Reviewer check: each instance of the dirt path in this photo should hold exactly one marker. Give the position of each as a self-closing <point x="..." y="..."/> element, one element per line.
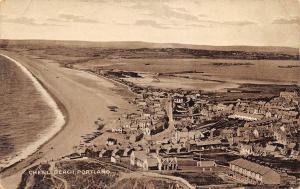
<point x="51" y="169"/>
<point x="139" y="174"/>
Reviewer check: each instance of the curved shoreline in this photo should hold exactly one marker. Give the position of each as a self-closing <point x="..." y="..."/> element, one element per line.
<point x="46" y="135"/>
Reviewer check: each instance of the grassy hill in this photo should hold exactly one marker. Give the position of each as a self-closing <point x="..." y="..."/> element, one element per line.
<point x="41" y="44"/>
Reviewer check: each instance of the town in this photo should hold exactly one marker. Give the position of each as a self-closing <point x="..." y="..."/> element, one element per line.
<point x="187" y="132"/>
<point x="157" y="94"/>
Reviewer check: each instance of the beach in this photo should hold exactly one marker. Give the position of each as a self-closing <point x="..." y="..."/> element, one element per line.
<point x="83" y="97"/>
<point x="45" y="135"/>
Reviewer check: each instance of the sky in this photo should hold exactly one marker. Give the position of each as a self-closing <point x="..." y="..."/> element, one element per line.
<point x="203" y="22"/>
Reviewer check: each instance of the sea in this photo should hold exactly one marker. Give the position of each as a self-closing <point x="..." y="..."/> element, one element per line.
<point x="28" y="115"/>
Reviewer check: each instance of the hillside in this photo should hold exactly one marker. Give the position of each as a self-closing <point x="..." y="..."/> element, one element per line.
<point x="153" y="50"/>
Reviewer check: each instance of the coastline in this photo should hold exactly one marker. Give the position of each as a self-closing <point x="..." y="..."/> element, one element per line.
<point x="46" y="135"/>
<point x="82" y="97"/>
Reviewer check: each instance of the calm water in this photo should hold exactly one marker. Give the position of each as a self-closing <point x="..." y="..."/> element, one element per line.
<point x="23" y="113"/>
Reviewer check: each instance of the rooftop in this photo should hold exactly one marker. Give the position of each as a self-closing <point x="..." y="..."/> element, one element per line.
<point x="254" y="167"/>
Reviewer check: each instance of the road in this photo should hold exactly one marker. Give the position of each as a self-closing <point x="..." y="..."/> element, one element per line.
<point x="51" y="169"/>
<point x="140" y="174"/>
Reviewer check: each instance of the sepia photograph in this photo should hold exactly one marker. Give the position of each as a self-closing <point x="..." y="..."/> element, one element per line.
<point x="149" y="94"/>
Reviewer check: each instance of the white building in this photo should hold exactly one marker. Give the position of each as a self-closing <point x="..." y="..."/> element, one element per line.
<point x="145" y="161"/>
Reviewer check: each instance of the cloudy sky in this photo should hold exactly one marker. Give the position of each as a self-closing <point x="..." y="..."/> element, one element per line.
<point x="205" y="22"/>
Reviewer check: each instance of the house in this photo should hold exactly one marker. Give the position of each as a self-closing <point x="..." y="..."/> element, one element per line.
<point x="115" y="159"/>
<point x="259" y="150"/>
<point x="169" y="163"/>
<point x="227" y="133"/>
<point x="151" y="148"/>
<point x="222" y="107"/>
<point x="145" y="161"/>
<point x="288" y="95"/>
<point x="186" y="134"/>
<point x="262" y="122"/>
<point x="262" y="131"/>
<point x="206" y="145"/>
<point x="111" y="141"/>
<point x="235" y="140"/>
<point x="206" y="165"/>
<point x="126" y="124"/>
<point x="269" y="149"/>
<point x="144" y="123"/>
<point x="127" y="152"/>
<point x="156" y="104"/>
<point x="175" y="148"/>
<point x="245" y="132"/>
<point x="178" y="100"/>
<point x="142" y="103"/>
<point x="117" y="130"/>
<point x="157" y="128"/>
<point x="81" y="151"/>
<point x="246" y="116"/>
<point x="253" y="173"/>
<point x="136" y="137"/>
<point x="118" y="152"/>
<point x="246" y="149"/>
<point x="281" y="135"/>
<point x="105" y="153"/>
<point x="146" y="131"/>
<point x="146" y="115"/>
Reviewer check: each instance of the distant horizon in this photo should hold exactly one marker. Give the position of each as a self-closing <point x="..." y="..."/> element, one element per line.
<point x="149" y="42"/>
<point x="199" y="22"/>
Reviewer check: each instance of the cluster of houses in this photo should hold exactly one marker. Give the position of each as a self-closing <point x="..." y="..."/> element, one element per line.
<point x="265" y="128"/>
<point x="199" y="123"/>
<point x="150" y="119"/>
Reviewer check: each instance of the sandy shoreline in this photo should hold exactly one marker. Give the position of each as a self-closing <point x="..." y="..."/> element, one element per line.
<point x="46" y="135"/>
<point x="83" y="98"/>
